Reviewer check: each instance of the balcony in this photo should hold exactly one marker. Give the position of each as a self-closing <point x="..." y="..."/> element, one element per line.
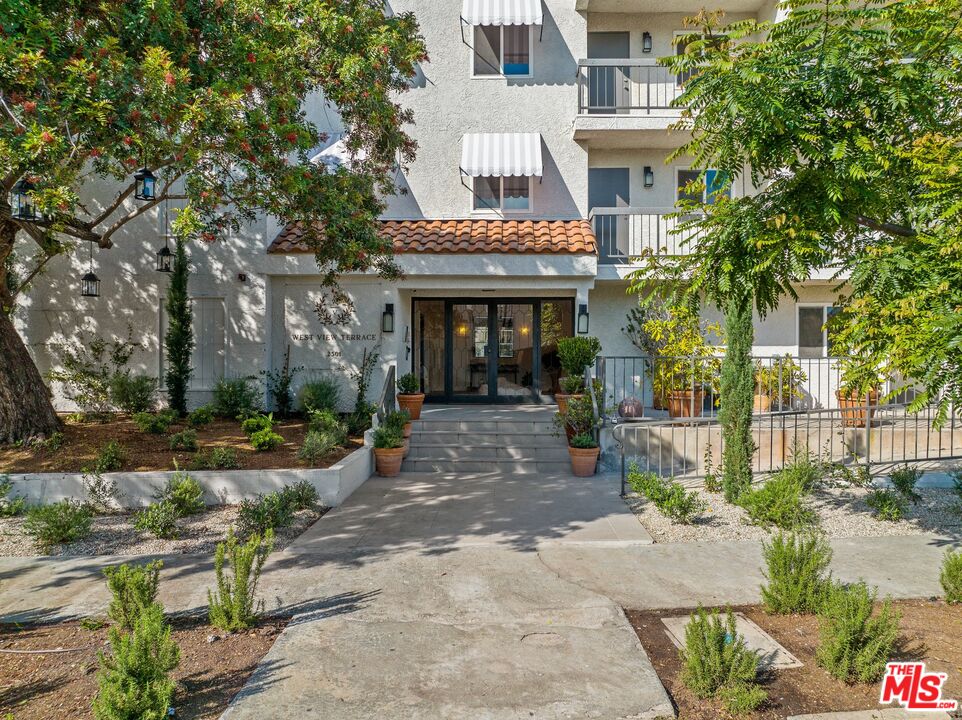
<point x="624" y="233"/>
<point x="627" y="101"/>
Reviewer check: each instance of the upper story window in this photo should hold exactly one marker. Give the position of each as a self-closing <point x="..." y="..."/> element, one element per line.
<point x="695" y="186"/>
<point x="814" y="338"/>
<point x="501" y="35"/>
<point x="507" y="194"/>
<point x="501" y="168"/>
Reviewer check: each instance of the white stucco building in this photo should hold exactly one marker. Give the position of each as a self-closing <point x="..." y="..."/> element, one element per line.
<point x="543" y="130"/>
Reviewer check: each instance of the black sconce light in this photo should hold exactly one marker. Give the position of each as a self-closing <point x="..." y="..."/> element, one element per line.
<point x="582" y="319"/>
<point x="21" y="204"/>
<point x="90" y="283"/>
<point x="165" y="259"/>
<point x="646" y="42"/>
<point x="387" y="318"/>
<point x="649" y="176"/>
<point x="146" y="184"/>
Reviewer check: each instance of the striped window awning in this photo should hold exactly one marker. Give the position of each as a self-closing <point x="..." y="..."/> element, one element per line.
<point x="502" y="12"/>
<point x="501" y="154"/>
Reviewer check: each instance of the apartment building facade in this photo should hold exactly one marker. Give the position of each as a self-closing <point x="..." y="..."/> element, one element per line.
<point x="543" y="129"/>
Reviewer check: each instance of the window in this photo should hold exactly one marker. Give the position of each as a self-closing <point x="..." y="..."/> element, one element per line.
<point x="715" y="185"/>
<point x="814" y="340"/>
<point x="502" y="50"/>
<point x="509" y="194"/>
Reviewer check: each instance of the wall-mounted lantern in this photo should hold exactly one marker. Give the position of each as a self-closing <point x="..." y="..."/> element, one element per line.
<point x="145" y="187"/>
<point x="649" y="176"/>
<point x="387" y="318"/>
<point x="165" y="259"/>
<point x="582" y="319"/>
<point x="646" y="42"/>
<point x="22" y="206"/>
<point x="90" y="283"/>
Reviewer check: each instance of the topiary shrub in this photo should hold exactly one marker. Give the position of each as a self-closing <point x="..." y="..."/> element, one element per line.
<point x="110" y="458"/>
<point x="854" y="643"/>
<point x="186" y="439"/>
<point x="264" y="440"/>
<point x="797" y="573"/>
<point x="179" y="339"/>
<point x="778" y="502"/>
<point x="577" y="353"/>
<point x="233" y="605"/>
<point x="134" y="679"/>
<point x="408" y="384"/>
<point x="256" y="423"/>
<point x="951" y="576"/>
<point x="159" y="519"/>
<point x="236" y="398"/>
<point x="61" y="522"/>
<point x="887" y="505"/>
<point x="737" y="387"/>
<point x="133" y="393"/>
<point x="323" y="394"/>
<point x="204" y="415"/>
<point x="133" y="588"/>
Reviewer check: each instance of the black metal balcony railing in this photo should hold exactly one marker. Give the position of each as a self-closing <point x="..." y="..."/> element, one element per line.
<point x="631" y="86"/>
<point x="623" y="233"/>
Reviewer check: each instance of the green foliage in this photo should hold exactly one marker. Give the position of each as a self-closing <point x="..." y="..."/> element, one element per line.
<point x="280" y="384"/>
<point x="578" y="417"/>
<point x="103" y="495"/>
<point x="408" y="384"/>
<point x="58" y="523"/>
<point x="742" y="699"/>
<point x="572" y="384"/>
<point x="318" y="444"/>
<point x="903" y="479"/>
<point x="386" y="438"/>
<point x="805" y="468"/>
<point x="670" y="497"/>
<point x="397" y="419"/>
<point x="301" y="495"/>
<point x="186" y="439"/>
<point x="216" y="458"/>
<point x="327" y="421"/>
<point x="134" y="679"/>
<point x="184" y="493"/>
<point x="797" y="573"/>
<point x="779" y="502"/>
<point x="10" y="507"/>
<point x="715" y="656"/>
<point x="133" y="393"/>
<point x="235" y="398"/>
<point x="686" y="359"/>
<point x="323" y="394"/>
<point x="887" y="505"/>
<point x="204" y="415"/>
<point x="154" y="423"/>
<point x="87" y="369"/>
<point x="575" y="354"/>
<point x="584" y="441"/>
<point x="781" y="380"/>
<point x="91" y="623"/>
<point x="275" y="510"/>
<point x="159" y="519"/>
<point x="360" y="419"/>
<point x="951" y="576"/>
<point x="53" y="443"/>
<point x="133" y="589"/>
<point x="232" y="605"/>
<point x="179" y="339"/>
<point x="256" y="423"/>
<point x="737" y="392"/>
<point x="854" y="643"/>
<point x="264" y="440"/>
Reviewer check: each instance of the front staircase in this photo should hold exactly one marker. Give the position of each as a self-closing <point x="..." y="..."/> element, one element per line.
<point x="515" y="440"/>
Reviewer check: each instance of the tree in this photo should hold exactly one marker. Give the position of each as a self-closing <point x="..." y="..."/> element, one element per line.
<point x="737" y="394"/>
<point x="209" y="94"/>
<point x="824" y="114"/>
<point x="179" y="340"/>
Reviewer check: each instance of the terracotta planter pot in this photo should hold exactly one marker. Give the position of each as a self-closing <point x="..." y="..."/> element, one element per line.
<point x="685" y="403"/>
<point x="412" y="403"/>
<point x="407" y="429"/>
<point x="763" y="403"/>
<point x="658" y="401"/>
<point x="853" y="407"/>
<point x="387" y="461"/>
<point x="583" y="461"/>
<point x="562" y="401"/>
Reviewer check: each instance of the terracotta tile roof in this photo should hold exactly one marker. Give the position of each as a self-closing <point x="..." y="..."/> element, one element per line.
<point x="572" y="237"/>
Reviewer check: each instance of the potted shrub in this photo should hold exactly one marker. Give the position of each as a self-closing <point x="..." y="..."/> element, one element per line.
<point x="579" y="424"/>
<point x="859" y="388"/>
<point x="409" y="396"/>
<point x="575" y="354"/>
<point x="388" y="451"/>
<point x="400" y="422"/>
<point x="583" y="450"/>
<point x="778" y="384"/>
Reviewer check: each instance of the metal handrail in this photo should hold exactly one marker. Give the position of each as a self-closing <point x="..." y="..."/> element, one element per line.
<point x="631" y="210"/>
<point x="617" y="62"/>
<point x="387" y="402"/>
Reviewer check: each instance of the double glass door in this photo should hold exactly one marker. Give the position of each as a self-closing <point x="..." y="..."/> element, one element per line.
<point x="489" y="351"/>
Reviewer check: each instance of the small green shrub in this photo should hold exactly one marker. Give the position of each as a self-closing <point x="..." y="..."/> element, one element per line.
<point x="186" y="439"/>
<point x="778" y="502"/>
<point x="233" y="604"/>
<point x="133" y="588"/>
<point x="670" y="497"/>
<point x="133" y="393"/>
<point x="204" y="415"/>
<point x="256" y="423"/>
<point x="327" y="421"/>
<point x="386" y="438"/>
<point x="805" y="469"/>
<point x="572" y="384"/>
<point x="110" y="458"/>
<point x="903" y="479"/>
<point x="134" y="679"/>
<point x="103" y="495"/>
<point x="715" y="656"/>
<point x="577" y="353"/>
<point x="10" y="507"/>
<point x="184" y="493"/>
<point x="854" y="643"/>
<point x="317" y="445"/>
<point x="216" y="458"/>
<point x="266" y="512"/>
<point x="53" y="443"/>
<point x="264" y="440"/>
<point x="742" y="699"/>
<point x="323" y="394"/>
<point x="159" y="519"/>
<point x="797" y="573"/>
<point x="951" y="576"/>
<point x="397" y="419"/>
<point x="887" y="505"/>
<point x="359" y="421"/>
<point x="154" y="423"/>
<point x="408" y="384"/>
<point x="300" y="496"/>
<point x="61" y="522"/>
<point x="585" y="441"/>
<point x="237" y="398"/>
<point x="91" y="623"/>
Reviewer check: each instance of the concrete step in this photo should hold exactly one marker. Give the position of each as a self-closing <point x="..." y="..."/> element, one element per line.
<point x="484" y="426"/>
<point x="457" y="439"/>
<point x="487" y="452"/>
<point x="513" y="467"/>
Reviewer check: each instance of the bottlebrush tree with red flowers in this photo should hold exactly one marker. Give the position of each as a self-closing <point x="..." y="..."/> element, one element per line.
<point x="210" y="95"/>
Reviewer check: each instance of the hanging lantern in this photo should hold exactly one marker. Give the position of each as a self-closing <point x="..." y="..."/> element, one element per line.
<point x="146" y="184"/>
<point x="90" y="285"/>
<point x="165" y="260"/>
<point x="22" y="206"/>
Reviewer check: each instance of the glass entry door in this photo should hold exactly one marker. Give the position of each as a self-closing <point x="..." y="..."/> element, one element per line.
<point x="493" y="350"/>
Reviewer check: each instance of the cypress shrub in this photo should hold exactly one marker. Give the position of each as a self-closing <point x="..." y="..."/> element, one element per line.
<point x="797" y="573"/>
<point x="233" y="604"/>
<point x="132" y="588"/>
<point x="737" y="391"/>
<point x="179" y="340"/>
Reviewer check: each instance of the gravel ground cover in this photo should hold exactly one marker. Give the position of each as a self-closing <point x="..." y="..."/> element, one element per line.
<point x="115" y="535"/>
<point x="841" y="512"/>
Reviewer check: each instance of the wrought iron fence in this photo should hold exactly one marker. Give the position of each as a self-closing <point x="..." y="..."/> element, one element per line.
<point x="624" y="233"/>
<point x="625" y="85"/>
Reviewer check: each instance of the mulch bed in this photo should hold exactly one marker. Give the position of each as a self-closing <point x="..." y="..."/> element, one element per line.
<point x="931" y="631"/>
<point x="53" y="686"/>
<point x="145" y="452"/>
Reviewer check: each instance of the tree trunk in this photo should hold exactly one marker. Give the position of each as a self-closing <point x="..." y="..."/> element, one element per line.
<point x="25" y="408"/>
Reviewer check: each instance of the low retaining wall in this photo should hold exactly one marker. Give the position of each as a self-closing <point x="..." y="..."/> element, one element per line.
<point x="334" y="484"/>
